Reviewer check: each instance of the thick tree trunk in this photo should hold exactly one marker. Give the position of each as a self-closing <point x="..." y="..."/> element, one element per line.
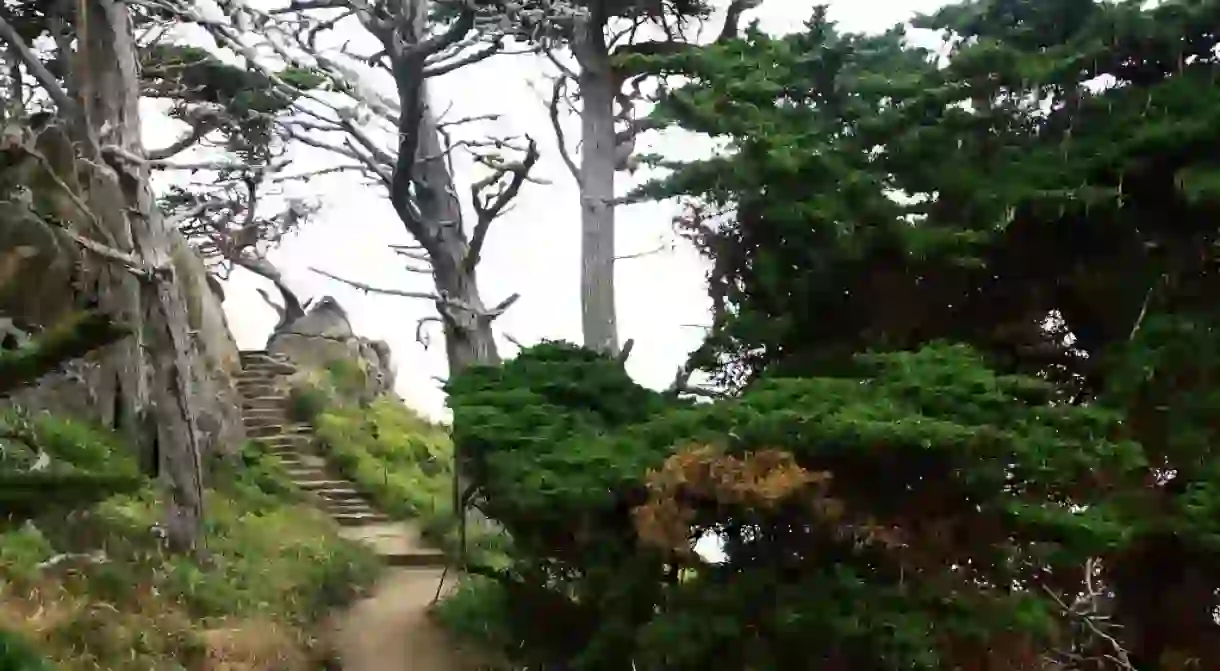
<point x="469" y="339"/>
<point x="599" y="320"/>
<point x="151" y="372"/>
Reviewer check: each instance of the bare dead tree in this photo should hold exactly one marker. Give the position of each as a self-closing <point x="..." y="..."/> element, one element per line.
<point x="394" y="140"/>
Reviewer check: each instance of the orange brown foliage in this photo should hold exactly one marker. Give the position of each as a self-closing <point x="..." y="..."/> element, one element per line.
<point x="762" y="480"/>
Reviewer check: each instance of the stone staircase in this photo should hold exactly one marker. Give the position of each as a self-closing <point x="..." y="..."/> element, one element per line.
<point x="265" y="413"/>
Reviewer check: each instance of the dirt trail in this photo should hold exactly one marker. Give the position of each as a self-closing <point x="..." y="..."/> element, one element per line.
<point x="391" y="630"/>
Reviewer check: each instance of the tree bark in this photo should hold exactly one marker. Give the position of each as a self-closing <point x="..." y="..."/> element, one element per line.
<point x="469" y="338"/>
<point x="599" y="320"/>
<point x="151" y="371"/>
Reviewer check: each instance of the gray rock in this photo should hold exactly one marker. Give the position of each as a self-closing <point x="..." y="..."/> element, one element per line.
<point x="323" y="336"/>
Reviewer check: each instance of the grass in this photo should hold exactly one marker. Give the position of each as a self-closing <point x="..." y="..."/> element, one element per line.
<point x="94" y="589"/>
<point x="403" y="462"/>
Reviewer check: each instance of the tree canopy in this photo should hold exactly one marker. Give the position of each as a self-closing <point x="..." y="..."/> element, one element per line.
<point x="963" y="320"/>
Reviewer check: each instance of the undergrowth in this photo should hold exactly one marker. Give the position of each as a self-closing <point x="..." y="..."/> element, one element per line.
<point x="403" y="462"/>
<point x="95" y="589"/>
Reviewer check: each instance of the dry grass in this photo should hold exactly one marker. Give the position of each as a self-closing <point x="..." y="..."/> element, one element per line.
<point x="255" y="645"/>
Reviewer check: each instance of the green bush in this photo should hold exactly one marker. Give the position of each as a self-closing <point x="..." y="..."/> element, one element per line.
<point x="86" y="464"/>
<point x="21" y="550"/>
<point x="16" y="654"/>
<point x="479" y="611"/>
<point x="402" y="461"/>
<point x="349" y="378"/>
<point x="258" y="479"/>
<point x="306" y="401"/>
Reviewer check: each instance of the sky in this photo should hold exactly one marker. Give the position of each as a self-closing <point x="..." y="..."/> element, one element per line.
<point x="533" y="250"/>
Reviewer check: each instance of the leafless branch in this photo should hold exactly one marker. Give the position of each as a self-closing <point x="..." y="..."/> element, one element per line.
<point x="369" y="289"/>
<point x="421" y="336"/>
<point x="1086" y="609"/>
<point x="68" y="107"/>
<point x="661" y="247"/>
<point x="487" y="209"/>
<point x="469" y="59"/>
<point x="560" y="139"/>
<point x="199" y="128"/>
<point x="494" y="312"/>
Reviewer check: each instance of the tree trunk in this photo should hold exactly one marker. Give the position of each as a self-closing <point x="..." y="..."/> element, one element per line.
<point x="151" y="371"/>
<point x="599" y="320"/>
<point x="469" y="338"/>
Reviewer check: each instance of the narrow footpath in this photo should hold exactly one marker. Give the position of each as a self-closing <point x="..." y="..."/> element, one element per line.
<point x="390" y="630"/>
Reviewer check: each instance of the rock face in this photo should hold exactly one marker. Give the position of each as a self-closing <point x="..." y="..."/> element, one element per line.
<point x="323" y="340"/>
<point x="82" y="388"/>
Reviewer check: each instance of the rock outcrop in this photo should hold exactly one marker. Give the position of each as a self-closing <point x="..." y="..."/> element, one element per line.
<point x="83" y="389"/>
<point x="323" y="340"/>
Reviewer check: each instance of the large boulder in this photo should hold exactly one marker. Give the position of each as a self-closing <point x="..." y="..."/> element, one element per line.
<point x="322" y="340"/>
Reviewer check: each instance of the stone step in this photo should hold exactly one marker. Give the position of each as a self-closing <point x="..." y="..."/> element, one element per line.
<point x="246" y="382"/>
<point x="296" y="462"/>
<point x="291" y="449"/>
<point x="293" y="438"/>
<point x="260" y="389"/>
<point x="248" y="379"/>
<point x="262" y="356"/>
<point x="347" y="505"/>
<point x="264" y="430"/>
<point x="356" y="519"/>
<point x="280" y="436"/>
<point x="326" y="485"/>
<point x="267" y="415"/>
<point x="263" y="375"/>
<point x="283" y="452"/>
<point x="251" y="371"/>
<point x="278" y="398"/>
<point x="343" y="492"/>
<point x="416" y="559"/>
<point x="305" y="473"/>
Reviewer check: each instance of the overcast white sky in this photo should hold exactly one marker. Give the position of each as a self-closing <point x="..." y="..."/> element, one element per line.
<point x="533" y="250"/>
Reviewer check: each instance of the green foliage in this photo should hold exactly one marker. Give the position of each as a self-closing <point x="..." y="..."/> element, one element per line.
<point x="403" y="462"/>
<point x="348" y="376"/>
<point x="265" y="566"/>
<point x="306" y="401"/>
<point x="1042" y="193"/>
<point x="83" y="464"/>
<point x="259" y="480"/>
<point x="562" y="440"/>
<point x="17" y="655"/>
<point x="886" y="500"/>
<point x="479" y="610"/>
<point x="923" y="202"/>
<point x="71" y="339"/>
<point x="193" y="77"/>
